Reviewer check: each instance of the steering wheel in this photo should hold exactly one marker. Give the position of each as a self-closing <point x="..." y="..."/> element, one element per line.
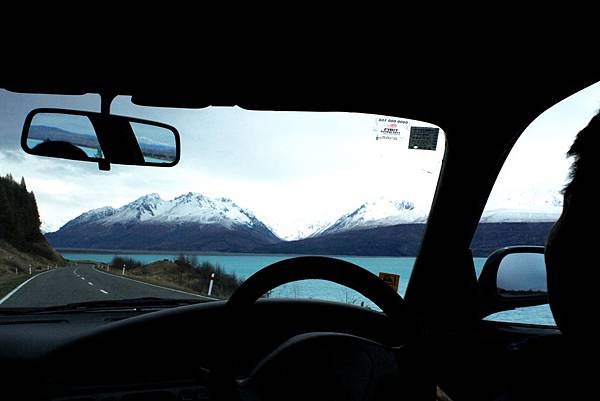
<point x="328" y="366"/>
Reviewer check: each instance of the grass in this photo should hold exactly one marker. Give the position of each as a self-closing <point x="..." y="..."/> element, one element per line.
<point x="14" y="264"/>
<point x="150" y="279"/>
<point x="182" y="274"/>
<point x="9" y="282"/>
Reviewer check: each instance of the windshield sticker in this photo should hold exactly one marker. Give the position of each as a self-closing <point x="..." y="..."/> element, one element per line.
<point x="424" y="138"/>
<point x="392" y="129"/>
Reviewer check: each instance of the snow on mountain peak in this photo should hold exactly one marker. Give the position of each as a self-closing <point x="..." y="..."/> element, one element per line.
<point x="382" y="208"/>
<point x="386" y="212"/>
<point x="141" y="209"/>
<point x="195" y="207"/>
<point x="187" y="208"/>
<point x="376" y="213"/>
<point x="505" y="215"/>
<point x="93" y="215"/>
<point x="302" y="231"/>
<point x="524" y="206"/>
<point x="153" y="197"/>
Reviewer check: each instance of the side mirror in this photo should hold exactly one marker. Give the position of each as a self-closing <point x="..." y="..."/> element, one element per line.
<point x="513" y="277"/>
<point x="101" y="138"/>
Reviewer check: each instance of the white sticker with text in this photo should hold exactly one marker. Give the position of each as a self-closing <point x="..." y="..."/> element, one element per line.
<point x="392" y="129"/>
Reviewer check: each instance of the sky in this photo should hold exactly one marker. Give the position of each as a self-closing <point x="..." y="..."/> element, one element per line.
<point x="537" y="167"/>
<point x="69" y="122"/>
<point x="291" y="169"/>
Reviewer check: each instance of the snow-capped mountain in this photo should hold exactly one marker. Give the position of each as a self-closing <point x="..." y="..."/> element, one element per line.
<point x="204" y="210"/>
<point x="189" y="222"/>
<point x="521" y="215"/>
<point x="385" y="212"/>
<point x="385" y="227"/>
<point x="188" y="208"/>
<point x="92" y="216"/>
<point x="45" y="228"/>
<point x="378" y="213"/>
<point x="524" y="207"/>
<point x="305" y="231"/>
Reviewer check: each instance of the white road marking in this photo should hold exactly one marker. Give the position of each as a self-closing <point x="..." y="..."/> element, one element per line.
<point x="22" y="284"/>
<point x="104" y="292"/>
<point x="83" y="278"/>
<point x="157" y="286"/>
<point x="90" y="283"/>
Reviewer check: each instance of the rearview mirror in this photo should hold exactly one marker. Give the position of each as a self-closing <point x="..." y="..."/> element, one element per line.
<point x="101" y="138"/>
<point x="513" y="277"/>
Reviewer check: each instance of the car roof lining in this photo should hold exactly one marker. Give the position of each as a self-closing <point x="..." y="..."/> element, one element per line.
<point x="432" y="96"/>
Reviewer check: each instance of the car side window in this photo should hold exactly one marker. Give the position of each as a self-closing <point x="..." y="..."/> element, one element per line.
<point x="526" y="199"/>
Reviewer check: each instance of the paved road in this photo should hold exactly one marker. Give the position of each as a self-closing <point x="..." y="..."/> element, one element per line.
<point x="82" y="283"/>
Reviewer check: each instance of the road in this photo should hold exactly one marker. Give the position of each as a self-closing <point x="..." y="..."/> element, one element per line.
<point x="82" y="283"/>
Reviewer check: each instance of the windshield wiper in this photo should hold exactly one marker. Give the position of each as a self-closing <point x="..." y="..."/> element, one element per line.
<point x="134" y="303"/>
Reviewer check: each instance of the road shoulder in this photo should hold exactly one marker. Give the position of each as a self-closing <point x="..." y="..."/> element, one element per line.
<point x="18" y="284"/>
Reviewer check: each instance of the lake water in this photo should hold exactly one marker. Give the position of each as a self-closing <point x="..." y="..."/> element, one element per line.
<point x="245" y="265"/>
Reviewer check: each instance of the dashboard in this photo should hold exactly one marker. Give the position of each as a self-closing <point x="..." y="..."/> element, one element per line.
<point x="137" y="354"/>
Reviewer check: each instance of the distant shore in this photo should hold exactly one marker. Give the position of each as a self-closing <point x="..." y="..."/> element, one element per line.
<point x="200" y="253"/>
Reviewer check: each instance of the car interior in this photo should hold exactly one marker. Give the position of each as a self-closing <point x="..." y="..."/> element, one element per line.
<point x="433" y="343"/>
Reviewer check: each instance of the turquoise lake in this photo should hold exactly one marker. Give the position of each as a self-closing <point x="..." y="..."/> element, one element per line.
<point x="244" y="265"/>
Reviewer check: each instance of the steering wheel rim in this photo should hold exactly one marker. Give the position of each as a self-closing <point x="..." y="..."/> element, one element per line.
<point x="306" y="268"/>
<point x="320" y="268"/>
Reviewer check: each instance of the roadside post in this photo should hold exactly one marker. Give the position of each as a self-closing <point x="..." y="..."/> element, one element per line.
<point x="123" y="269"/>
<point x="29" y="269"/>
<point x="210" y="284"/>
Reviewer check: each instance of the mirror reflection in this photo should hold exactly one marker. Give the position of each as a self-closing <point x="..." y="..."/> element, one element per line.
<point x="156" y="143"/>
<point x="63" y="135"/>
<point x="522" y="274"/>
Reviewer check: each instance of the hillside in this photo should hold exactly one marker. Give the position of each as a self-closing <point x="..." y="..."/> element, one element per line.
<point x="22" y="244"/>
<point x="405" y="239"/>
<point x="182" y="274"/>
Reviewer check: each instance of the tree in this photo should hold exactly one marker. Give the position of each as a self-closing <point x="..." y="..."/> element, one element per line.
<point x="19" y="216"/>
<point x="6" y="220"/>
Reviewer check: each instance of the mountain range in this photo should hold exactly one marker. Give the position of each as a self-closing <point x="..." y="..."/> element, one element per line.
<point x="194" y="222"/>
<point x="190" y="222"/>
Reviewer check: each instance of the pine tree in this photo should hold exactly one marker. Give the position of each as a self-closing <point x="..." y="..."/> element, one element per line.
<point x="5" y="216"/>
<point x="19" y="216"/>
<point x="33" y="218"/>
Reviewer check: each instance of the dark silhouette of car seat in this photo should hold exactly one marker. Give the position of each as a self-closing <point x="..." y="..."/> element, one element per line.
<point x="59" y="149"/>
<point x="564" y="366"/>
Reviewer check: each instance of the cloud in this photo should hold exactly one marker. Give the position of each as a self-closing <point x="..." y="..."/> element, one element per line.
<point x="11" y="156"/>
<point x="290" y="169"/>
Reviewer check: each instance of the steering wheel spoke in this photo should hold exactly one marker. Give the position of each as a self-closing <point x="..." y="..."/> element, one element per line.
<point x="325" y="366"/>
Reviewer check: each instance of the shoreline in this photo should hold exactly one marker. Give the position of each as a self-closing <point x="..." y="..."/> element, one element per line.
<point x="62" y="251"/>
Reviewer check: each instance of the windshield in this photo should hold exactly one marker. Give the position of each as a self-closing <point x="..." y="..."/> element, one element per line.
<point x="251" y="188"/>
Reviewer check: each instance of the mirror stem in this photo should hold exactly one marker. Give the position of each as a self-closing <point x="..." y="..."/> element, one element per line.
<point x="106" y="99"/>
